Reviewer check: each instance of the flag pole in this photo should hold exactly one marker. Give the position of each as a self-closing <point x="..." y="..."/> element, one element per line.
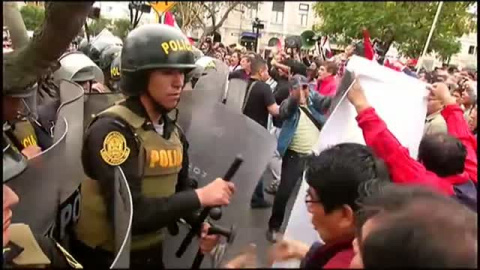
<point x="430" y="35"/>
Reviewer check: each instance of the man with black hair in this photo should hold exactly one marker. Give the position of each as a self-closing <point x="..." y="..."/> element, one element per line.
<point x="446" y="162"/>
<point x="259" y="102"/>
<point x="245" y="71"/>
<point x="326" y="83"/>
<point x="336" y="178"/>
<point x="413" y="227"/>
<point x="302" y="115"/>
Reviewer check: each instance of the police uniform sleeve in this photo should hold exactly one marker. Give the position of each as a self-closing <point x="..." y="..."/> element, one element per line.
<point x="149" y="214"/>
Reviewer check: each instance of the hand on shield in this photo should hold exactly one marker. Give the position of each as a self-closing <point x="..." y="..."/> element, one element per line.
<point x="217" y="193"/>
<point x="31" y="151"/>
<point x="286" y="250"/>
<point x="207" y="242"/>
<point x="441" y="92"/>
<point x="357" y="97"/>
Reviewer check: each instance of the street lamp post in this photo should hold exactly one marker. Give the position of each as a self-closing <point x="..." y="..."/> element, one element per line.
<point x="257" y="25"/>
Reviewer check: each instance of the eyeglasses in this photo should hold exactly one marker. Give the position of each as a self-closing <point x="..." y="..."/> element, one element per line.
<point x="308" y="199"/>
<point x="305" y="86"/>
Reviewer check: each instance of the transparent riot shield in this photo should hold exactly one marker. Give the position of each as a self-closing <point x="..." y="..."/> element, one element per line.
<point x="123" y="214"/>
<point x="236" y="94"/>
<point x="214" y="80"/>
<point x="216" y="135"/>
<point x="74" y="62"/>
<point x="38" y="187"/>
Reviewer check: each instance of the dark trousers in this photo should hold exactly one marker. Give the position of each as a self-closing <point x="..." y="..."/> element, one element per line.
<point x="293" y="165"/>
<point x="258" y="195"/>
<point x="97" y="258"/>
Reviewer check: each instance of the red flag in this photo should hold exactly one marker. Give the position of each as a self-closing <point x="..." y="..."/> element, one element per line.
<point x="169" y="20"/>
<point x="368" y="48"/>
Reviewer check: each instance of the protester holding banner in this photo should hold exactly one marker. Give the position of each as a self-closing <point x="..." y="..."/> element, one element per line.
<point x="335" y="178"/>
<point x="302" y="116"/>
<point x="139" y="135"/>
<point x="412" y="227"/>
<point x="447" y="162"/>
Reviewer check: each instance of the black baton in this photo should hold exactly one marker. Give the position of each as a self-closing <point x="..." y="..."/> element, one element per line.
<point x="203" y="215"/>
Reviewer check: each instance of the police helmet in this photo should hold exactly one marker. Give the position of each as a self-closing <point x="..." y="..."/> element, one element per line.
<point x="83" y="75"/>
<point x="115" y="73"/>
<point x="153" y="46"/>
<point x="107" y="56"/>
<point x="84" y="46"/>
<point x="99" y="45"/>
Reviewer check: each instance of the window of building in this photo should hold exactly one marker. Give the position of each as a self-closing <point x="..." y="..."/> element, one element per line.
<point x="253" y="12"/>
<point x="471" y="50"/>
<point x="303" y="11"/>
<point x="277" y="12"/>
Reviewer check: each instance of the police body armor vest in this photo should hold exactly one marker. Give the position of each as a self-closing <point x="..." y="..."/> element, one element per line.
<point x="25" y="133"/>
<point x="162" y="161"/>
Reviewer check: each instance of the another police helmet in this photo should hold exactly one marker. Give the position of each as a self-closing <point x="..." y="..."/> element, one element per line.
<point x="153" y="46"/>
<point x="84" y="46"/>
<point x="99" y="45"/>
<point x="83" y="75"/>
<point x="107" y="56"/>
<point x="115" y="73"/>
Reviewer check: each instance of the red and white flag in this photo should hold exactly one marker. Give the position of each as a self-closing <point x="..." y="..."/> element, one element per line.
<point x="279" y="45"/>
<point x="327" y="51"/>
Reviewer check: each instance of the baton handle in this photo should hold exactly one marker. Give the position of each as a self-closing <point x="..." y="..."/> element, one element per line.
<point x="206" y="211"/>
<point x="233" y="168"/>
<point x="198" y="260"/>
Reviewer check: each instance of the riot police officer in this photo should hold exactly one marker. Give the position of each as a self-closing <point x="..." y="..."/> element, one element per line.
<point x="25" y="132"/>
<point x="110" y="71"/>
<point x="21" y="248"/>
<point x="139" y="135"/>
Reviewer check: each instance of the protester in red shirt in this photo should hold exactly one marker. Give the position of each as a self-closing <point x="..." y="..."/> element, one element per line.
<point x="327" y="84"/>
<point x="447" y="162"/>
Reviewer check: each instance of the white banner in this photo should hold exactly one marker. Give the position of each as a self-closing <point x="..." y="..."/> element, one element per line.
<point x="398" y="99"/>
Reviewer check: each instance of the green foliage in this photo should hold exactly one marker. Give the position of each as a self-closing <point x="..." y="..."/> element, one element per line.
<point x="121" y="27"/>
<point x="33" y="16"/>
<point x="409" y="22"/>
<point x="96" y="26"/>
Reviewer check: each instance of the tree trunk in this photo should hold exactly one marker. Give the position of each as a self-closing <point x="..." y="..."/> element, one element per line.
<point x="63" y="21"/>
<point x="13" y="20"/>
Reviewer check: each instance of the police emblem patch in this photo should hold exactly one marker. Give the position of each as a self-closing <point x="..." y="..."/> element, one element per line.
<point x="115" y="150"/>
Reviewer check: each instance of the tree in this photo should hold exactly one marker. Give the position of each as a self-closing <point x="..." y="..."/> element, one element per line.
<point x="405" y="23"/>
<point x="24" y="66"/>
<point x="33" y="16"/>
<point x="121" y="27"/>
<point x="209" y="16"/>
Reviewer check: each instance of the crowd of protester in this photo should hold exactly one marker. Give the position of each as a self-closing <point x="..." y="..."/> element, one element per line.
<point x="373" y="205"/>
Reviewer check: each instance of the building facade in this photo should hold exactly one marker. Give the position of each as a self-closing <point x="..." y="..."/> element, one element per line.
<point x="467" y="57"/>
<point x="280" y="19"/>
